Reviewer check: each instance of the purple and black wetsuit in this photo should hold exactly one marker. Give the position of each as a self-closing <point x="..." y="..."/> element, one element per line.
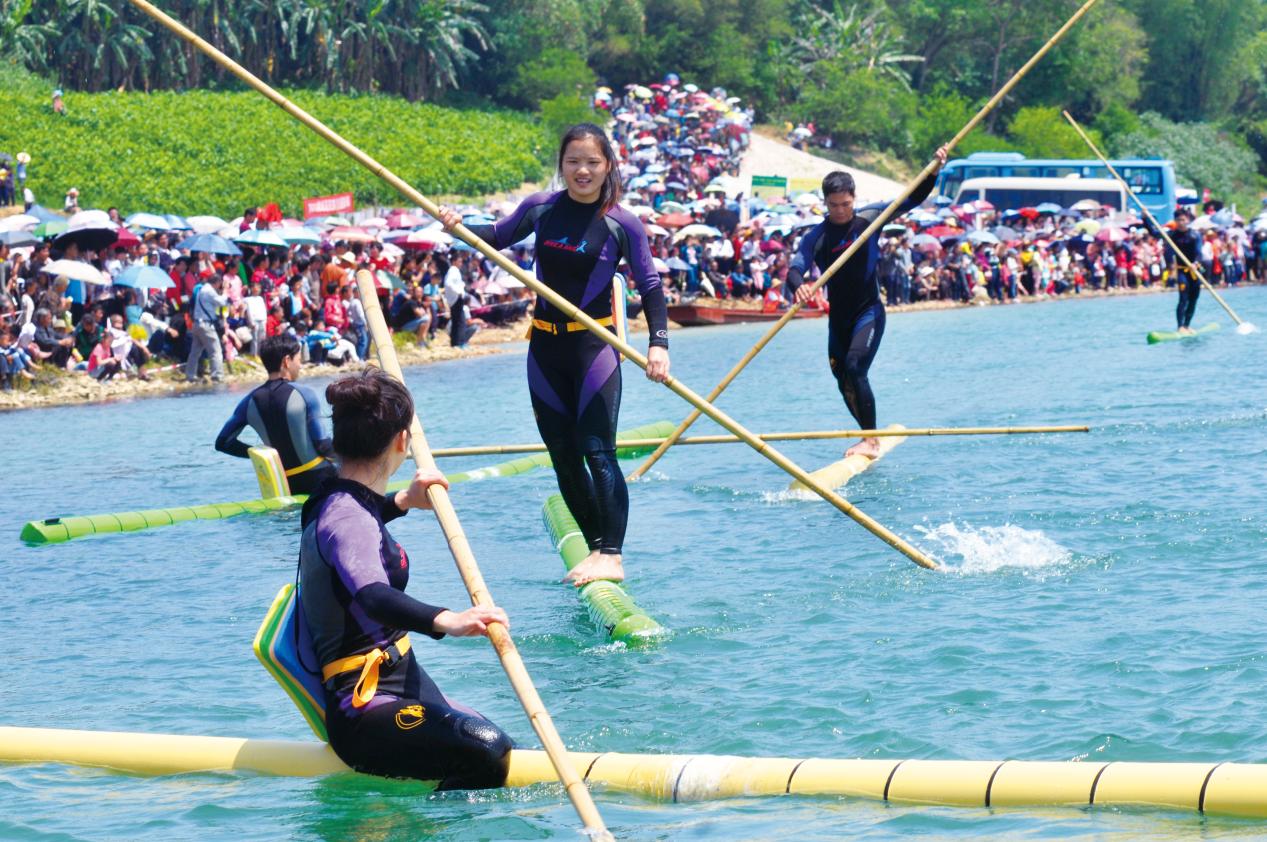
<point x="573" y="376"/>
<point x="352" y="577"/>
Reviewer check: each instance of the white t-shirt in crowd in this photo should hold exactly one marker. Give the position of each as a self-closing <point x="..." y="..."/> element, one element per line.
<point x="256" y="308"/>
<point x="454" y="287"/>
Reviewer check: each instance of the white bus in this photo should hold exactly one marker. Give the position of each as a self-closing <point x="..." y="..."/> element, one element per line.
<point x="1014" y="193"/>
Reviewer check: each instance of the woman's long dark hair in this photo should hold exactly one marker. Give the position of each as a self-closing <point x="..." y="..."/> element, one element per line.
<point x="612" y="190"/>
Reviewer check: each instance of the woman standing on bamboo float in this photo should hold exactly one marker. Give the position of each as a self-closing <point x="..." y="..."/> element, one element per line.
<point x="384" y="714"/>
<point x="574" y="377"/>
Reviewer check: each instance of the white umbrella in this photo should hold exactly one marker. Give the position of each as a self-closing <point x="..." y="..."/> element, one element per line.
<point x="806" y="199"/>
<point x="75" y="270"/>
<point x="696" y="230"/>
<point x="89" y="219"/>
<point x="205" y="224"/>
<point x="506" y="280"/>
<point x="642" y="211"/>
<point x="376" y="222"/>
<point x="660" y="266"/>
<point x="18" y="222"/>
<point x="656" y="230"/>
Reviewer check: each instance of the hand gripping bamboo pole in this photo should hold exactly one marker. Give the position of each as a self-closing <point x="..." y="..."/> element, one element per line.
<point x="439" y="497"/>
<point x="566" y="307"/>
<point x="871" y="229"/>
<point x="474" y="581"/>
<point x="1192" y="267"/>
<point x="806" y="435"/>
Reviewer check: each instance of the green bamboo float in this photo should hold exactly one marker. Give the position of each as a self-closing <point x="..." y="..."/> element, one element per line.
<point x="1174" y="335"/>
<point x="56" y="530"/>
<point x="609" y="604"/>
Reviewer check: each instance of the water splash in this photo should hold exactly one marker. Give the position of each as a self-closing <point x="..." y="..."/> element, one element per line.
<point x="970" y="550"/>
<point x="1245" y="328"/>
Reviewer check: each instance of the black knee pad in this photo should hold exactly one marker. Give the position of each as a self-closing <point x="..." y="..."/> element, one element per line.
<point x="489" y="747"/>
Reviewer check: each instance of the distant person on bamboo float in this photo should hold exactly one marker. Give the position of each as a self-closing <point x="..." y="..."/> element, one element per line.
<point x="574" y="379"/>
<point x="855" y="323"/>
<point x="1189" y="242"/>
<point x="286" y="417"/>
<point x="384" y="714"/>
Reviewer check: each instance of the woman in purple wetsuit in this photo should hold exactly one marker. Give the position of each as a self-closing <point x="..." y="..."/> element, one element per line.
<point x="384" y="714"/>
<point x="582" y="234"/>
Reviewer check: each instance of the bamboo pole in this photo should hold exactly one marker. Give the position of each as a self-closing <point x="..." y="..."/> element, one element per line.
<point x="475" y="586"/>
<point x="1192" y="267"/>
<point x="562" y="304"/>
<point x="871" y="229"/>
<point x="807" y="435"/>
<point x="498" y="635"/>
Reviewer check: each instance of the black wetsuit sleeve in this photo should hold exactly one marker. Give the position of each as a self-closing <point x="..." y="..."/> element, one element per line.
<point x="396" y="609"/>
<point x="803" y="259"/>
<point x="227" y="441"/>
<point x="919" y="195"/>
<point x="388" y="510"/>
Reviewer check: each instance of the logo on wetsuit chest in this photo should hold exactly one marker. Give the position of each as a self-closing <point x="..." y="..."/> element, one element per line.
<point x="410" y="717"/>
<point x="564" y="245"/>
<point x="844" y="244"/>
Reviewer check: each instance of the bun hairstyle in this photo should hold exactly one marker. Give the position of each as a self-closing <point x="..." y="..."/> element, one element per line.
<point x="612" y="189"/>
<point x="368" y="410"/>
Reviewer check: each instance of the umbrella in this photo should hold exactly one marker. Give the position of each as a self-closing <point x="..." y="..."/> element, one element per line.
<point x="428" y="238"/>
<point x="980" y="237"/>
<point x="401" y="219"/>
<point x="205" y="224"/>
<point x="1086" y="205"/>
<point x="696" y="230"/>
<point x="43" y="214"/>
<point x="260" y="238"/>
<point x="21" y="220"/>
<point x="806" y="199"/>
<point x="810" y="222"/>
<point x="768" y="246"/>
<point x="656" y="169"/>
<point x="209" y="243"/>
<point x="298" y="236"/>
<point x="176" y="223"/>
<point x="1028" y="213"/>
<point x="89" y="239"/>
<point x="1005" y="233"/>
<point x="1187" y="200"/>
<point x="143" y="277"/>
<point x="350" y="233"/>
<point x="676" y="264"/>
<point x="943" y="201"/>
<point x="675" y="185"/>
<point x="387" y="280"/>
<point x="981" y="205"/>
<point x="17" y="238"/>
<point x="52" y="228"/>
<point x="673" y="207"/>
<point x="75" y="270"/>
<point x="926" y="242"/>
<point x="940" y="231"/>
<point x="375" y="222"/>
<point x="674" y="220"/>
<point x="87" y="219"/>
<point x="1111" y="234"/>
<point x="124" y="238"/>
<point x="149" y="220"/>
<point x="894" y="229"/>
<point x="1048" y="207"/>
<point x="654" y="230"/>
<point x="1087" y="226"/>
<point x="715" y="188"/>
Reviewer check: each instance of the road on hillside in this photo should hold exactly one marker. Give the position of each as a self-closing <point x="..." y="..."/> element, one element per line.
<point x="766" y="156"/>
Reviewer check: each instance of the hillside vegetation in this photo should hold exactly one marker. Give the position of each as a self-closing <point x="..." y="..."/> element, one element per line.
<point x="217" y="152"/>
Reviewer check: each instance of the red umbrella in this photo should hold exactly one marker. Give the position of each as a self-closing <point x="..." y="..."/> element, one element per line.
<point x="675" y="220"/>
<point x="771" y="246"/>
<point x="126" y="239"/>
<point x="1029" y="213"/>
<point x="940" y="231"/>
<point x="351" y="234"/>
<point x="1111" y="234"/>
<point x="400" y="219"/>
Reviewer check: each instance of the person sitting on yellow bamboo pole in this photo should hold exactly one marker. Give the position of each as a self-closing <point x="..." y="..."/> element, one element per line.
<point x="855" y="323"/>
<point x="582" y="233"/>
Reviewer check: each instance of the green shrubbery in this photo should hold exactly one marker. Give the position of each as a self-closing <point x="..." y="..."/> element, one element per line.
<point x="217" y="152"/>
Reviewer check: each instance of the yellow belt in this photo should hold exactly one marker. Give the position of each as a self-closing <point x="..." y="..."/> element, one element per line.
<point x="307" y="466"/>
<point x="569" y="327"/>
<point x="368" y="664"/>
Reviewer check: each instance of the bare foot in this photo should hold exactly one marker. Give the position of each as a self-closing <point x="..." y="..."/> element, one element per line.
<point x="867" y="447"/>
<point x="597" y="566"/>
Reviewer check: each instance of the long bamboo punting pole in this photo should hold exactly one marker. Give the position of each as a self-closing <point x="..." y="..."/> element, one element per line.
<point x="474" y="581"/>
<point x="566" y="307"/>
<point x="871" y="229"/>
<point x="1192" y="267"/>
<point x="807" y="435"/>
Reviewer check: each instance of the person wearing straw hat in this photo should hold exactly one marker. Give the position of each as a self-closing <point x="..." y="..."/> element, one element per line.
<point x="856" y="319"/>
<point x="1189" y="242"/>
<point x="582" y="234"/>
<point x="384" y="714"/>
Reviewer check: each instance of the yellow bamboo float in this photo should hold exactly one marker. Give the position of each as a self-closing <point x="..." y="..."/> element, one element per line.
<point x="869" y="232"/>
<point x="1231" y="789"/>
<point x="837" y="474"/>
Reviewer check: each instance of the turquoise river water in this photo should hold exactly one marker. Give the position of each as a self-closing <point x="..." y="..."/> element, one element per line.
<point x="1101" y="598"/>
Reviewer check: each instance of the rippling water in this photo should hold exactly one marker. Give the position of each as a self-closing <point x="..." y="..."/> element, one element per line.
<point x="1102" y="594"/>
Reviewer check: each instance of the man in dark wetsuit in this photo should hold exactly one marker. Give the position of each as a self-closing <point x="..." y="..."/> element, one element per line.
<point x="855" y="323"/>
<point x="286" y="417"/>
<point x="1188" y="242"/>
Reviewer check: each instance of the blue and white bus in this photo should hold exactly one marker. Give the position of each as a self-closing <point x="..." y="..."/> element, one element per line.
<point x="1153" y="179"/>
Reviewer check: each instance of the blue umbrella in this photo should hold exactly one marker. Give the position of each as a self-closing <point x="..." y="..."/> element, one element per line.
<point x="210" y="243"/>
<point x="1183" y="200"/>
<point x="43" y="214"/>
<point x="148" y="220"/>
<point x="143" y="277"/>
<point x="299" y="235"/>
<point x="942" y="201"/>
<point x="1048" y="207"/>
<point x="177" y="223"/>
<point x="17" y="238"/>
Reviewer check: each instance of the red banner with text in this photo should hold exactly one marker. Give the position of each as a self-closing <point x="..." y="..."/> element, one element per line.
<point x="328" y="205"/>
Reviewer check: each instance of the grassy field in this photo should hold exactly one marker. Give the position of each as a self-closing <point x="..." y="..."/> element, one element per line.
<point x="217" y="152"/>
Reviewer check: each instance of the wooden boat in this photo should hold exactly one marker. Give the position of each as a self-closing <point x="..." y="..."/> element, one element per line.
<point x="696" y="314"/>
